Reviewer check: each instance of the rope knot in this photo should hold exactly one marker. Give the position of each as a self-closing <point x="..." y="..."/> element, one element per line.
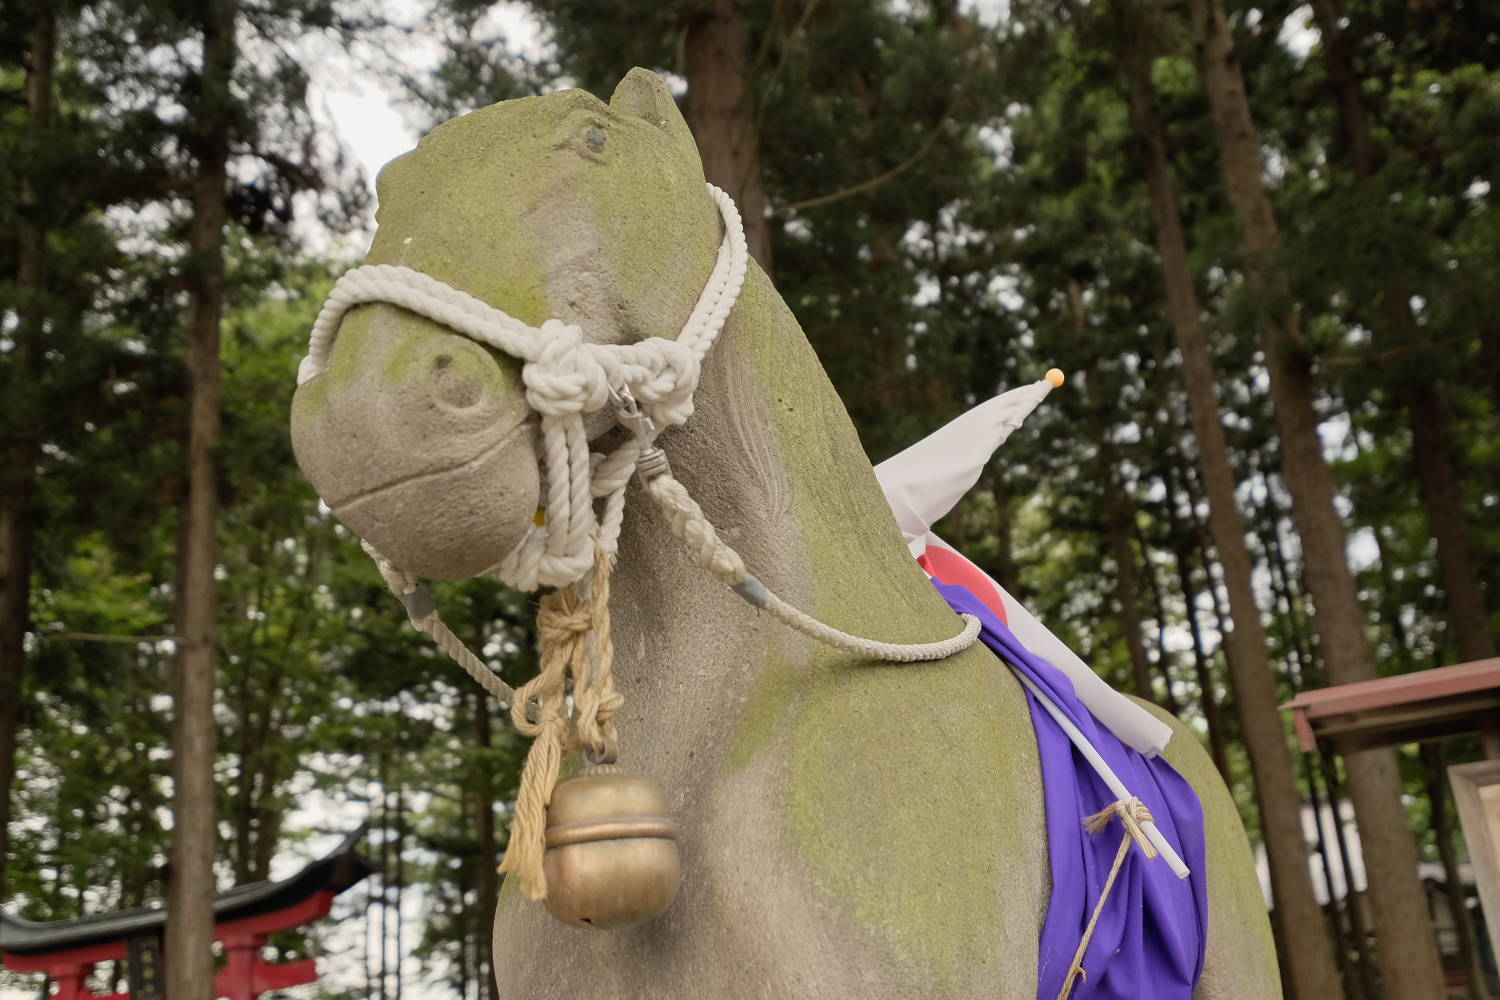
<point x="559" y="626"/>
<point x="566" y="377"/>
<point x="662" y="375"/>
<point x="565" y="620"/>
<point x="1132" y="813"/>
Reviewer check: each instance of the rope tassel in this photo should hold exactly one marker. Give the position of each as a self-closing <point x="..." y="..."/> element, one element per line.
<point x="566" y="622"/>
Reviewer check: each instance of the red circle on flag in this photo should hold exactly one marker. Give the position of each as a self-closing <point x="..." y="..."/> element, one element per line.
<point x="949" y="567"/>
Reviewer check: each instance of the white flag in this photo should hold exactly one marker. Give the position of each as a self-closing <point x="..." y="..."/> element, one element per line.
<point x="927" y="480"/>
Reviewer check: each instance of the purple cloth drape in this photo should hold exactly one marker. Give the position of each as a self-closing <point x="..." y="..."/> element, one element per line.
<point x="1150" y="938"/>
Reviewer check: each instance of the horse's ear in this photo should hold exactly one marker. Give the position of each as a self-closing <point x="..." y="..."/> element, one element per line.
<point x="645" y="95"/>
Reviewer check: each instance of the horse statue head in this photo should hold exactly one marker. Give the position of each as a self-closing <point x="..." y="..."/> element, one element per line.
<point x="848" y="829"/>
<point x="419" y="439"/>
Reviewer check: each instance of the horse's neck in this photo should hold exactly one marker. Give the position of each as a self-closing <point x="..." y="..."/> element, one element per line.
<point x="773" y="459"/>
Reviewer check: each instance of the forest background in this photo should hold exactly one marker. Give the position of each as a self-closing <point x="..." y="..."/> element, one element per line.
<point x="1262" y="239"/>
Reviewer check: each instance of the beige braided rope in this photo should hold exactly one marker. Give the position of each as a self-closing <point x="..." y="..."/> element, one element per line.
<point x="691" y="525"/>
<point x="563" y="626"/>
<point x="1132" y="813"/>
<point x="595" y="699"/>
<point x="565" y="622"/>
<point x="406" y="587"/>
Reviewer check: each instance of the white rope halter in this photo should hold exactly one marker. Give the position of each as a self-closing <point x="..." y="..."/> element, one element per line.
<point x="649" y="383"/>
<point x="566" y="378"/>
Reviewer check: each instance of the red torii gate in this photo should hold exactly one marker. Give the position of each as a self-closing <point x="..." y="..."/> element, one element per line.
<point x="244" y="918"/>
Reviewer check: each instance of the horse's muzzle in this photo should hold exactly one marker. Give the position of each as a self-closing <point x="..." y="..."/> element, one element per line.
<point x="421" y="442"/>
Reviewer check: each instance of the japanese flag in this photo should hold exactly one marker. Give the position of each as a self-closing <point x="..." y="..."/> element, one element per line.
<point x="925" y="481"/>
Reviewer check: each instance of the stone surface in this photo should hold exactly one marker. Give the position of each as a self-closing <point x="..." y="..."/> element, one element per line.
<point x="849" y="829"/>
<point x="420" y="441"/>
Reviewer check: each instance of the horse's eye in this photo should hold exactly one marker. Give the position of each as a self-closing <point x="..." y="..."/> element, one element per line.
<point x="595" y="138"/>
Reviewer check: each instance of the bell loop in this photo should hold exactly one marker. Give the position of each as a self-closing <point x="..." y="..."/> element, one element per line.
<point x="610" y="754"/>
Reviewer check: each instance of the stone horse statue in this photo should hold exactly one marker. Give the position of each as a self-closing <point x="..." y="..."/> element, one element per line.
<point x="849" y="829"/>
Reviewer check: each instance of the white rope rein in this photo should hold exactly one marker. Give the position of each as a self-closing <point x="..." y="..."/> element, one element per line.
<point x="650" y="385"/>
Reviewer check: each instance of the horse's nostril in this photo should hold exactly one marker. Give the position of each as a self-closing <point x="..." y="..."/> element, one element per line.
<point x="455" y="388"/>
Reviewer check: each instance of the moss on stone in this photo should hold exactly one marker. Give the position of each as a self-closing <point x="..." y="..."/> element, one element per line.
<point x="344" y="366"/>
<point x="411" y="353"/>
<point x="917" y="855"/>
<point x="772" y="696"/>
<point x="510" y="893"/>
<point x="311" y="401"/>
<point x="433" y="226"/>
<point x="914" y="846"/>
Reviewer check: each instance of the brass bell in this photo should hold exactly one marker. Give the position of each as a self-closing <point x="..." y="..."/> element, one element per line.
<point x="611" y="856"/>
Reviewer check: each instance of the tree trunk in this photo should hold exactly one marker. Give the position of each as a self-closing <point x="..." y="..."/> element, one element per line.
<point x="1408" y="949"/>
<point x="1283" y="584"/>
<point x="16" y="488"/>
<point x="1298" y="665"/>
<point x="1116" y="516"/>
<point x="1334" y="912"/>
<point x="1207" y="697"/>
<point x="18" y="477"/>
<point x="399" y="943"/>
<point x="365" y="957"/>
<point x="721" y="113"/>
<point x="268" y="820"/>
<point x="1163" y="655"/>
<point x="484" y="808"/>
<point x="1309" y="959"/>
<point x="386" y="874"/>
<point x="1213" y="572"/>
<point x="1356" y="915"/>
<point x="1426" y="411"/>
<point x="1489" y="356"/>
<point x="242" y="806"/>
<point x="472" y="950"/>
<point x="1391" y="612"/>
<point x="1468" y="617"/>
<point x="1356" y="970"/>
<point x="1389" y="603"/>
<point x="190" y="924"/>
<point x="1338" y="63"/>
